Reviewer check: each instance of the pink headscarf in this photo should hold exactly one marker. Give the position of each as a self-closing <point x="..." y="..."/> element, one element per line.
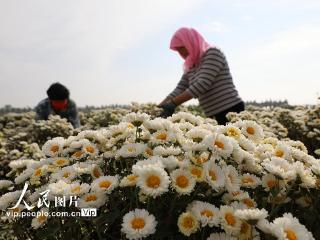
<point x="193" y="42"/>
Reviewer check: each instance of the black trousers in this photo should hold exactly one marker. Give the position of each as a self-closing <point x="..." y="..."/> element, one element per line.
<point x="221" y="117"/>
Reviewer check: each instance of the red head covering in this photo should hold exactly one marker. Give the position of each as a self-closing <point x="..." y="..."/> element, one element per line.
<point x="193" y="42"/>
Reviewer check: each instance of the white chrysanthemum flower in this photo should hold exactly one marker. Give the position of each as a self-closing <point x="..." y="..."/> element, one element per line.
<point x="232" y="178"/>
<point x="105" y="184"/>
<point x="246" y="144"/>
<point x="90" y="149"/>
<point x="156" y="124"/>
<point x="185" y="126"/>
<point x="40" y="219"/>
<point x="198" y="158"/>
<point x="82" y="167"/>
<point x="131" y="150"/>
<point x="186" y="117"/>
<point x="182" y="181"/>
<point x="128" y="181"/>
<point x="252" y="130"/>
<point x="53" y="147"/>
<point x="8" y="198"/>
<point x="60" y="161"/>
<point x="196" y="172"/>
<point x="163" y="136"/>
<point x="77" y="189"/>
<point x="282" y="150"/>
<point x="269" y="228"/>
<point x="4" y="184"/>
<point x="220" y="236"/>
<point x="170" y="162"/>
<point x="248" y="203"/>
<point x="229" y="222"/>
<point x="57" y="189"/>
<point x="214" y="175"/>
<point x="221" y="144"/>
<point x="250" y="180"/>
<point x="251" y="215"/>
<point x="291" y="228"/>
<point x="138" y="224"/>
<point x="206" y="213"/>
<point x="92" y="200"/>
<point x="269" y="181"/>
<point x="153" y="180"/>
<point x="306" y="176"/>
<point x="155" y="161"/>
<point x="234" y="196"/>
<point x="238" y="154"/>
<point x="232" y="131"/>
<point x="20" y="163"/>
<point x="67" y="174"/>
<point x="136" y="118"/>
<point x="166" y="151"/>
<point x="96" y="171"/>
<point x="195" y="139"/>
<point x="280" y="167"/>
<point x="188" y="223"/>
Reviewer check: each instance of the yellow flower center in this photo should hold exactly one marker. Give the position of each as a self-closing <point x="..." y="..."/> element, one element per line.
<point x="37" y="172"/>
<point x="245" y="228"/>
<point x="131" y="149"/>
<point x="162" y="136"/>
<point x="77" y="154"/>
<point x="248" y="202"/>
<point x="54" y="148"/>
<point x="91" y="198"/>
<point x="90" y="149"/>
<point x="130" y="125"/>
<point x="66" y="174"/>
<point x="41" y="218"/>
<point x="76" y="189"/>
<point x="212" y="175"/>
<point x="138" y="223"/>
<point x="96" y="172"/>
<point x="271" y="183"/>
<point x="232" y="132"/>
<point x="279" y="153"/>
<point x="219" y="144"/>
<point x="149" y="151"/>
<point x="153" y="181"/>
<point x="131" y="178"/>
<point x="291" y="234"/>
<point x="188" y="222"/>
<point x="250" y="130"/>
<point x="182" y="181"/>
<point x="230" y="219"/>
<point x="207" y="213"/>
<point x="247" y="180"/>
<point x="105" y="184"/>
<point x="60" y="162"/>
<point x="196" y="172"/>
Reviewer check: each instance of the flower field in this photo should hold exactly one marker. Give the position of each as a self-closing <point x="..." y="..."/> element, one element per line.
<point x="184" y="177"/>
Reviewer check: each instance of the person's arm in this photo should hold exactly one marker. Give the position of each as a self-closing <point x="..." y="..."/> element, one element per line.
<point x="181" y="86"/>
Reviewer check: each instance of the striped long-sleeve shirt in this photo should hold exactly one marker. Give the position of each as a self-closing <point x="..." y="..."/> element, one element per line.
<point x="210" y="82"/>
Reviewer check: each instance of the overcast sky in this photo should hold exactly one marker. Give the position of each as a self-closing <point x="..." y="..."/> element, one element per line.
<point x="116" y="51"/>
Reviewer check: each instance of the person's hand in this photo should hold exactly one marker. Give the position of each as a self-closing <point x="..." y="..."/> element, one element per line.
<point x="168" y="109"/>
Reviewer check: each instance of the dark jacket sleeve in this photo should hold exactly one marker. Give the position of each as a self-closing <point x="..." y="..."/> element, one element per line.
<point x="183" y="84"/>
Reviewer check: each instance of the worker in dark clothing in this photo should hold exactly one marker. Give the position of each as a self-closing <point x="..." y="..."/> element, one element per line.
<point x="59" y="103"/>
